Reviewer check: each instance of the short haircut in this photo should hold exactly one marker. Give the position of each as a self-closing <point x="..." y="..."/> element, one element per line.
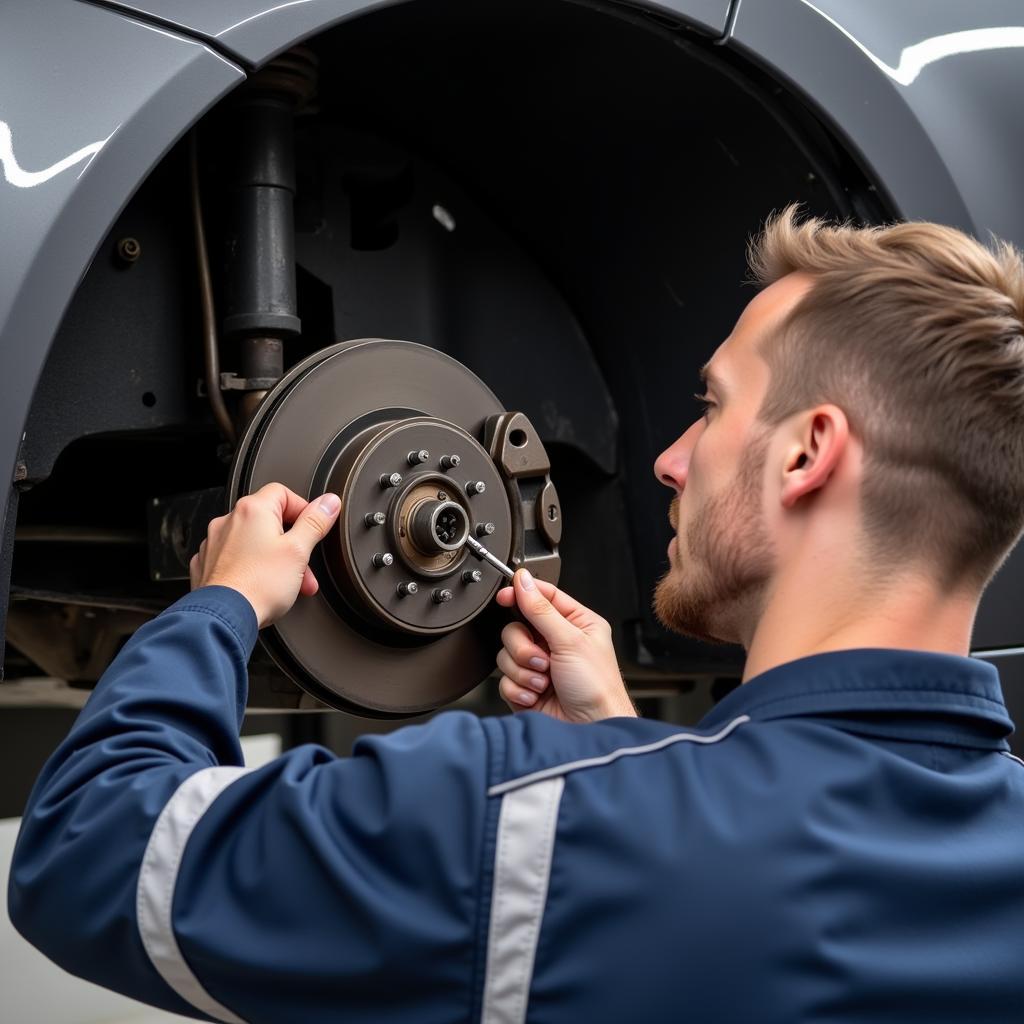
<point x="916" y="331"/>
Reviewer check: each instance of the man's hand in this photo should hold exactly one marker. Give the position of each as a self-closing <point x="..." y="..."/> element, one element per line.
<point x="573" y="673"/>
<point x="249" y="550"/>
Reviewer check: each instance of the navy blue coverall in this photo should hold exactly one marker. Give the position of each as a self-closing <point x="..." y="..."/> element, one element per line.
<point x="840" y="839"/>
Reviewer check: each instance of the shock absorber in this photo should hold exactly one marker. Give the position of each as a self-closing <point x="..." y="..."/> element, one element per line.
<point x="261" y="310"/>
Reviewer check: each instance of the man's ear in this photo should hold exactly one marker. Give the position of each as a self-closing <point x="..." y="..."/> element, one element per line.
<point x="819" y="440"/>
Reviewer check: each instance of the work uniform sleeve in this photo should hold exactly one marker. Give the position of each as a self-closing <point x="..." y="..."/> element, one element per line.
<point x="312" y="889"/>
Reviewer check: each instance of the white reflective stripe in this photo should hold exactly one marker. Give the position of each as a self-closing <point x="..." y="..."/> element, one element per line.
<point x="593" y="762"/>
<point x="522" y="866"/>
<point x="1012" y="757"/>
<point x="157" y="879"/>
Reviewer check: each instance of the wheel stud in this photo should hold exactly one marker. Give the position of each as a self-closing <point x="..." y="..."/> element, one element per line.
<point x="405" y="589"/>
<point x="390" y="479"/>
<point x="381" y="560"/>
<point x="417" y="458"/>
<point x="476" y="487"/>
<point x="484" y="529"/>
<point x="472" y="576"/>
<point x="375" y="519"/>
<point x="441" y="596"/>
<point x="450" y="461"/>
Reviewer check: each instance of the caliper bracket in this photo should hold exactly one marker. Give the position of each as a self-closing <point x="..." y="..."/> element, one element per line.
<point x="517" y="451"/>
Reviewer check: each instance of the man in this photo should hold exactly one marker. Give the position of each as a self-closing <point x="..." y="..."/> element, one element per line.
<point x="841" y="838"/>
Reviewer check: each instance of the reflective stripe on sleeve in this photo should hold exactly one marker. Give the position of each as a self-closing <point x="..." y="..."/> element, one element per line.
<point x="522" y="867"/>
<point x="157" y="879"/>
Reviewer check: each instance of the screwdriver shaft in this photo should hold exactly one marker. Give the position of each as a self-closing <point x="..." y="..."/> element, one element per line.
<point x="485" y="556"/>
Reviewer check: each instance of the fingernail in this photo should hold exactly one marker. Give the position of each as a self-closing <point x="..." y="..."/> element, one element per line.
<point x="537" y="683"/>
<point x="538" y="663"/>
<point x="329" y="504"/>
<point x="527" y="698"/>
<point x="526" y="579"/>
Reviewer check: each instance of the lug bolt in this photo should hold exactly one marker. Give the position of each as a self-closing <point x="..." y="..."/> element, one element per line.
<point x="390" y="479"/>
<point x="472" y="576"/>
<point x="450" y="461"/>
<point x="441" y="596"/>
<point x="375" y="519"/>
<point x="417" y="458"/>
<point x="476" y="487"/>
<point x="405" y="589"/>
<point x="382" y="560"/>
<point x="484" y="529"/>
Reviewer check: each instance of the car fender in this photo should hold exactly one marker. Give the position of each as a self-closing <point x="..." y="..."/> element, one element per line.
<point x="926" y="94"/>
<point x="92" y="100"/>
<point x="254" y="31"/>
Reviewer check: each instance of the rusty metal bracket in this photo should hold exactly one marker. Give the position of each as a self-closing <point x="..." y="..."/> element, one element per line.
<point x="232" y="382"/>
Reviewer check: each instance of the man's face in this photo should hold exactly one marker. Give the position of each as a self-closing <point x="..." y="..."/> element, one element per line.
<point x="723" y="556"/>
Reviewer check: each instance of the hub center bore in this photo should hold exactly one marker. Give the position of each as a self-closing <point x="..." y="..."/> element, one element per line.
<point x="436" y="526"/>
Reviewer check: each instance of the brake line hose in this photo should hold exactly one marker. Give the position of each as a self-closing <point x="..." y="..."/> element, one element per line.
<point x="210" y="351"/>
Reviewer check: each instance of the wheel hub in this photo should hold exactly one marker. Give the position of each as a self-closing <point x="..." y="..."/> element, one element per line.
<point x="428" y="512"/>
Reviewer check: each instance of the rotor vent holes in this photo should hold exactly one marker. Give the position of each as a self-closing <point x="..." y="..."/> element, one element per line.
<point x="517" y="438"/>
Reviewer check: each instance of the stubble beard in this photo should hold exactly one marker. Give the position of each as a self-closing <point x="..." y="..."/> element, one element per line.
<point x="714" y="591"/>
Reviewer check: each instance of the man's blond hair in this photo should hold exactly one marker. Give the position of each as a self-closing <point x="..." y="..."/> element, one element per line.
<point x="916" y="331"/>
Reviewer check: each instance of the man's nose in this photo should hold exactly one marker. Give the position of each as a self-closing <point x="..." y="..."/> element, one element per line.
<point x="673" y="464"/>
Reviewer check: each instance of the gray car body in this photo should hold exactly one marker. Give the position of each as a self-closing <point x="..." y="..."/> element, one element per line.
<point x="925" y="96"/>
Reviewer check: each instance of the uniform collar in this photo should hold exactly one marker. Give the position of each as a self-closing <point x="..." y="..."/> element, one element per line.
<point x="913" y="695"/>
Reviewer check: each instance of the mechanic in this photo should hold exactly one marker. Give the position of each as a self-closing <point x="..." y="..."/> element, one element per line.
<point x="840" y="838"/>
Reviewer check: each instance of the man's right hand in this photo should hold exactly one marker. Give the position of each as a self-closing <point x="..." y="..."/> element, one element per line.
<point x="572" y="674"/>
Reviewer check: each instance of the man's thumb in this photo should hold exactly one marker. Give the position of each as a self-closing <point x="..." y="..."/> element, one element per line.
<point x="540" y="612"/>
<point x="316" y="520"/>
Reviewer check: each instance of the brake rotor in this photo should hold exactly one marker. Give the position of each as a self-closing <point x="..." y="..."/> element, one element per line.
<point x="422" y="455"/>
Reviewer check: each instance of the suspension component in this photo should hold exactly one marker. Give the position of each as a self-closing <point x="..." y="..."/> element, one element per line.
<point x="262" y="309"/>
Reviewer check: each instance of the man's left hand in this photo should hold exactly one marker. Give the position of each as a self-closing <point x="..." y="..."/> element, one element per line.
<point x="250" y="550"/>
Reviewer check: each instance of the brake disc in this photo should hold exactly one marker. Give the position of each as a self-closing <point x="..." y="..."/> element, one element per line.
<point x="422" y="455"/>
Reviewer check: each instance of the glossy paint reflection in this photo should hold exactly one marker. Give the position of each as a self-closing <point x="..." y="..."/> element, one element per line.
<point x="913" y="59"/>
<point x="16" y="175"/>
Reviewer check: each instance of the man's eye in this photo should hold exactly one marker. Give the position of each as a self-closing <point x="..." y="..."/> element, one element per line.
<point x="706" y="402"/>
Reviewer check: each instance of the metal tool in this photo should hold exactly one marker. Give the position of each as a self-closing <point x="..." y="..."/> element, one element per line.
<point x="485" y="556"/>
